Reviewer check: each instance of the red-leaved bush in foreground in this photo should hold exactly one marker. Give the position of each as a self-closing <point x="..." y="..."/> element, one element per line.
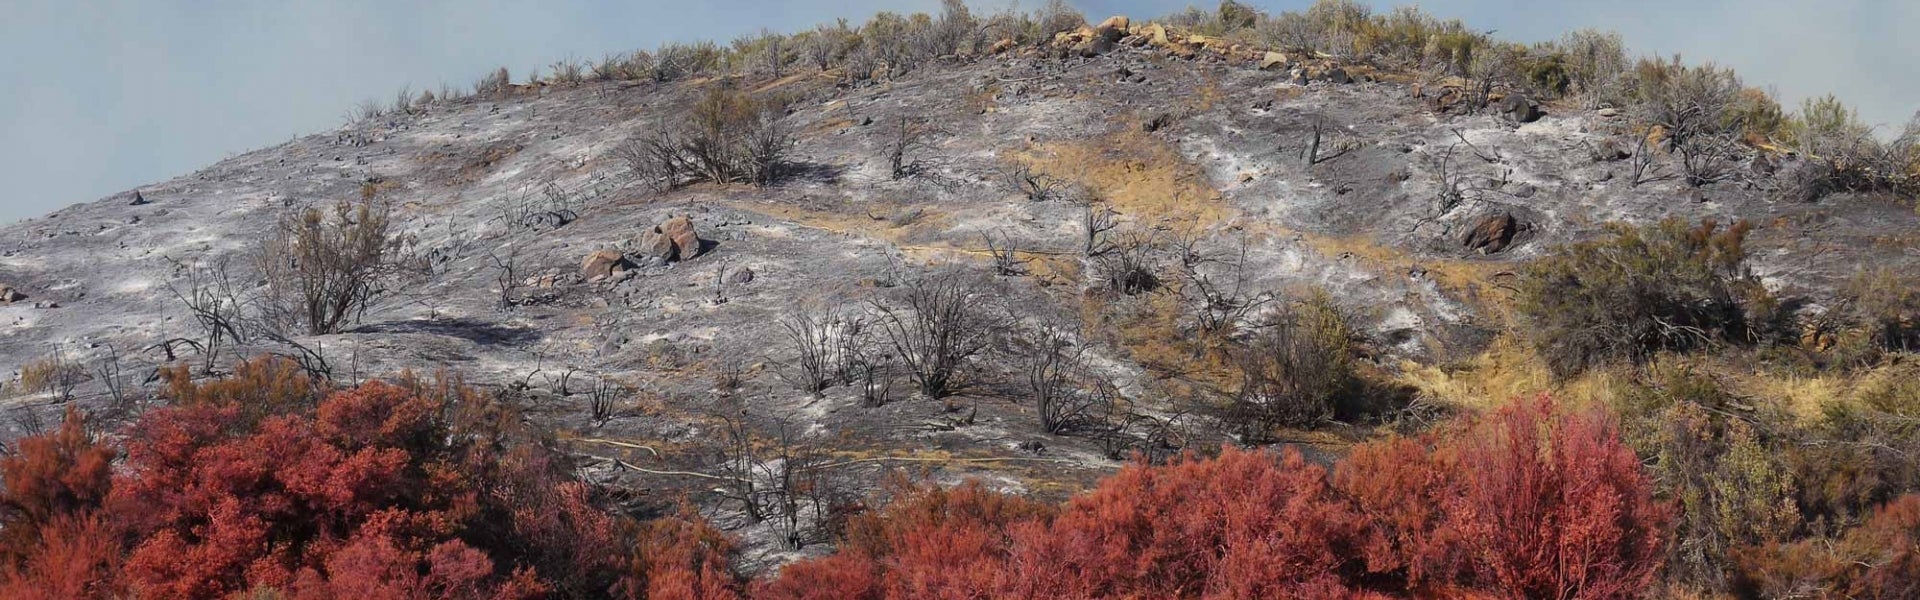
<point x="1523" y="503"/>
<point x="267" y="485"/>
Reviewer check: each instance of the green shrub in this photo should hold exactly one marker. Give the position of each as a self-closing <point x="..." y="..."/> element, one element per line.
<point x="1640" y="291"/>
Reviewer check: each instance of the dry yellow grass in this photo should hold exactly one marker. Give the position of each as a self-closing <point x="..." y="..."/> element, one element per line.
<point x="1506" y="370"/>
<point x="1140" y="175"/>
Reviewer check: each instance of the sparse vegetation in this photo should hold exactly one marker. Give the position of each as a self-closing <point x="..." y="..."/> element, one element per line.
<point x="727" y="137"/>
<point x="324" y="269"/>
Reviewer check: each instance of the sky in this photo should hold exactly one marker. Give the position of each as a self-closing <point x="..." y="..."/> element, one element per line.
<point x="105" y="96"/>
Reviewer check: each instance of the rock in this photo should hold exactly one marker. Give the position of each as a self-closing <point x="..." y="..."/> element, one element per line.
<point x="1299" y="77"/>
<point x="139" y="200"/>
<point x="1002" y="46"/>
<point x="740" y="276"/>
<point x="1521" y="108"/>
<point x="1154" y="34"/>
<point x="1525" y="190"/>
<point x="1093" y="46"/>
<point x="655" y="248"/>
<point x="1337" y="75"/>
<point x="1112" y="29"/>
<point x="1492" y="234"/>
<point x="1609" y="150"/>
<point x="1272" y="61"/>
<point x="671" y="240"/>
<point x="8" y="295"/>
<point x="602" y="264"/>
<point x="1609" y="112"/>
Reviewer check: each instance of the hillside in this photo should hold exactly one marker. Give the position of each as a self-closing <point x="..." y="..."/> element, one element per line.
<point x="1230" y="185"/>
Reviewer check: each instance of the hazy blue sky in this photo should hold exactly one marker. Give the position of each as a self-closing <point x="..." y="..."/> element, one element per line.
<point x="105" y="96"/>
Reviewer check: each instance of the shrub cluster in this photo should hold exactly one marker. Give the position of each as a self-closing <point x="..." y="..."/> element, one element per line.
<point x="1525" y="503"/>
<point x="727" y="136"/>
<point x="268" y="485"/>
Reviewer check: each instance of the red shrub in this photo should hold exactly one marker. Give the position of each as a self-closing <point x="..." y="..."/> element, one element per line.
<point x="58" y="473"/>
<point x="1243" y="525"/>
<point x="408" y="491"/>
<point x="1524" y="502"/>
<point x="76" y="556"/>
<point x="1878" y="559"/>
<point x="1555" y="507"/>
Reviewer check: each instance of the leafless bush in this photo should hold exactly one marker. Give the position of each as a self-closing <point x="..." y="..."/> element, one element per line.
<point x="1037" y="187"/>
<point x="813" y="343"/>
<point x="1128" y="266"/>
<point x="506" y="279"/>
<point x="602" y="399"/>
<point x="547" y="208"/>
<point x="1006" y="255"/>
<point x="1710" y="158"/>
<point x="1645" y="162"/>
<point x="323" y="272"/>
<point x="1096" y="221"/>
<point x="1054" y="368"/>
<point x="935" y="325"/>
<point x="905" y="137"/>
<point x="216" y="306"/>
<point x="1222" y="298"/>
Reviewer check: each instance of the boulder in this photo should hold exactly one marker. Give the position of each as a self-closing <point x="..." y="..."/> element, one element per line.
<point x="1492" y="234"/>
<point x="1002" y="46"/>
<point x="1154" y="34"/>
<point x="1521" y="108"/>
<point x="671" y="240"/>
<point x="1273" y="60"/>
<point x="1337" y="75"/>
<point x="1093" y="46"/>
<point x="8" y="295"/>
<point x="138" y="200"/>
<point x="602" y="264"/>
<point x="1112" y="29"/>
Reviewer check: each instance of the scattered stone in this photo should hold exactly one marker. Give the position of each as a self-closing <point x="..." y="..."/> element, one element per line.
<point x="8" y="295"/>
<point x="1492" y="234"/>
<point x="1272" y="61"/>
<point x="671" y="240"/>
<point x="1299" y="77"/>
<point x="1521" y="108"/>
<point x="46" y="304"/>
<point x="1609" y="112"/>
<point x="741" y="276"/>
<point x="1112" y="29"/>
<point x="602" y="264"/>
